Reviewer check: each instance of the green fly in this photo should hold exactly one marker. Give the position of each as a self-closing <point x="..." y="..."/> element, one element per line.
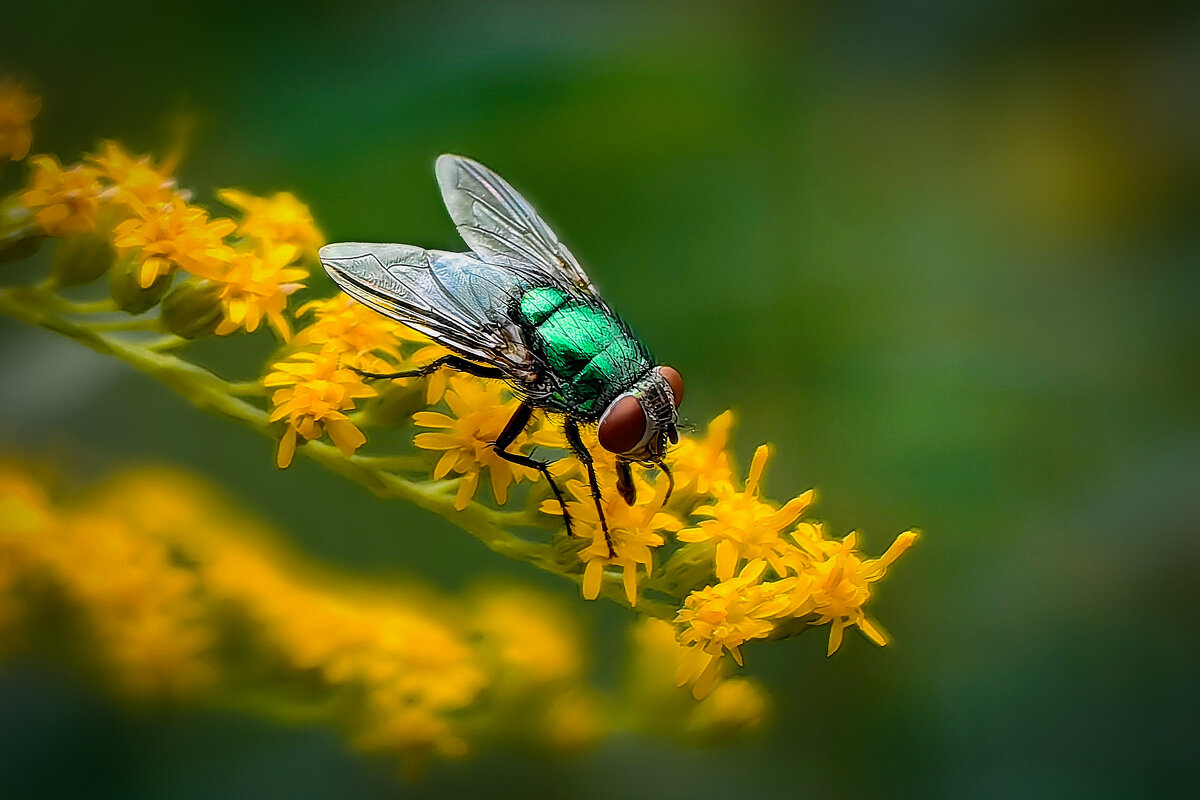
<point x="519" y="307"/>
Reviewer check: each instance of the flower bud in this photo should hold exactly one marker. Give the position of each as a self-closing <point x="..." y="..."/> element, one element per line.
<point x="193" y="309"/>
<point x="81" y="258"/>
<point x="129" y="295"/>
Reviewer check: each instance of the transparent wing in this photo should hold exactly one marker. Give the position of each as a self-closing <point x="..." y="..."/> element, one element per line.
<point x="501" y="227"/>
<point x="453" y="298"/>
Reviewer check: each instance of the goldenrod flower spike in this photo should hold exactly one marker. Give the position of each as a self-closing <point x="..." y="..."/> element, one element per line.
<point x="723" y="565"/>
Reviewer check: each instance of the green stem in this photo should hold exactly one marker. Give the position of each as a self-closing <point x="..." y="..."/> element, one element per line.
<point x="207" y="391"/>
<point x="149" y="324"/>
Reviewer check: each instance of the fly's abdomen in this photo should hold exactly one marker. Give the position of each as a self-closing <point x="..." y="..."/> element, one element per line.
<point x="593" y="355"/>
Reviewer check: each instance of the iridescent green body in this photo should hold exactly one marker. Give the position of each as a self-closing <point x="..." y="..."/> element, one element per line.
<point x="593" y="355"/>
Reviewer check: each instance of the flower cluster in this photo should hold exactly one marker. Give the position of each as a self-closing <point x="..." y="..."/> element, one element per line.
<point x="236" y="274"/>
<point x="700" y="548"/>
<point x="179" y="595"/>
<point x="319" y="379"/>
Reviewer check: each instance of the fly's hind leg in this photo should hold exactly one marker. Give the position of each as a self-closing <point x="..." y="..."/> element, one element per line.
<point x="516" y="423"/>
<point x="581" y="452"/>
<point x="451" y="361"/>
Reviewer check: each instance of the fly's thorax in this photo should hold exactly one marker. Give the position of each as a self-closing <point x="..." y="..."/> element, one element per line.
<point x="639" y="422"/>
<point x="590" y="356"/>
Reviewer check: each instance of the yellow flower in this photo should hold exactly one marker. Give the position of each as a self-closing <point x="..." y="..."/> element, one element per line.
<point x="174" y="234"/>
<point x="17" y="109"/>
<point x="26" y="523"/>
<point x="64" y="201"/>
<point x="480" y="411"/>
<point x="318" y="391"/>
<point x="634" y="531"/>
<point x="743" y="526"/>
<point x="345" y="326"/>
<point x="280" y="218"/>
<point x="838" y="580"/>
<point x="136" y="181"/>
<point x="724" y="617"/>
<point x="703" y="464"/>
<point x="255" y="286"/>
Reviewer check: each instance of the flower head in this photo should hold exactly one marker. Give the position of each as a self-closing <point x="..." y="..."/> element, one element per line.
<point x="17" y="109"/>
<point x="703" y="464"/>
<point x="315" y="392"/>
<point x="724" y="617"/>
<point x="348" y="327"/>
<point x="256" y="286"/>
<point x="743" y="526"/>
<point x="64" y="201"/>
<point x="635" y="532"/>
<point x="174" y="234"/>
<point x="480" y="410"/>
<point x="836" y="580"/>
<point x="136" y="181"/>
<point x="279" y="218"/>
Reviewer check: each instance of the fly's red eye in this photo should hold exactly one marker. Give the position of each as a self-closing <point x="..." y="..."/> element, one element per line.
<point x="623" y="426"/>
<point x="673" y="377"/>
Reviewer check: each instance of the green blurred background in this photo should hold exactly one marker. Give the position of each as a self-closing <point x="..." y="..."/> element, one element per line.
<point x="943" y="255"/>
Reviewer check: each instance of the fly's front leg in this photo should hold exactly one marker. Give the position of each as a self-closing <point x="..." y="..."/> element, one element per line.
<point x="453" y="362"/>
<point x="581" y="452"/>
<point x="625" y="486"/>
<point x="516" y="423"/>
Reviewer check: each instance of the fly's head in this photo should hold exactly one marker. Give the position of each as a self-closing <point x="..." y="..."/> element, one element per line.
<point x="638" y="424"/>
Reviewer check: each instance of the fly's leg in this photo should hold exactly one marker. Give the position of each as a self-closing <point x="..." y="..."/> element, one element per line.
<point x="581" y="452"/>
<point x="453" y="362"/>
<point x="516" y="423"/>
<point x="625" y="485"/>
<point x="670" y="479"/>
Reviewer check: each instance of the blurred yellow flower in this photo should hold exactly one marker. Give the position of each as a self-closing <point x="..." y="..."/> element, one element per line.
<point x="64" y="201"/>
<point x="742" y="526"/>
<point x="280" y="218"/>
<point x="136" y="181"/>
<point x="533" y="642"/>
<point x="170" y="235"/>
<point x="316" y="392"/>
<point x="17" y="109"/>
<point x="480" y="411"/>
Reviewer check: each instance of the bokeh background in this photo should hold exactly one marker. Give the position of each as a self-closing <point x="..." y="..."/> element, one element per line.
<point x="945" y="256"/>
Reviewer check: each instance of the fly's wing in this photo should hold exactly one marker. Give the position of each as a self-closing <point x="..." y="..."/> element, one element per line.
<point x="502" y="228"/>
<point x="452" y="298"/>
